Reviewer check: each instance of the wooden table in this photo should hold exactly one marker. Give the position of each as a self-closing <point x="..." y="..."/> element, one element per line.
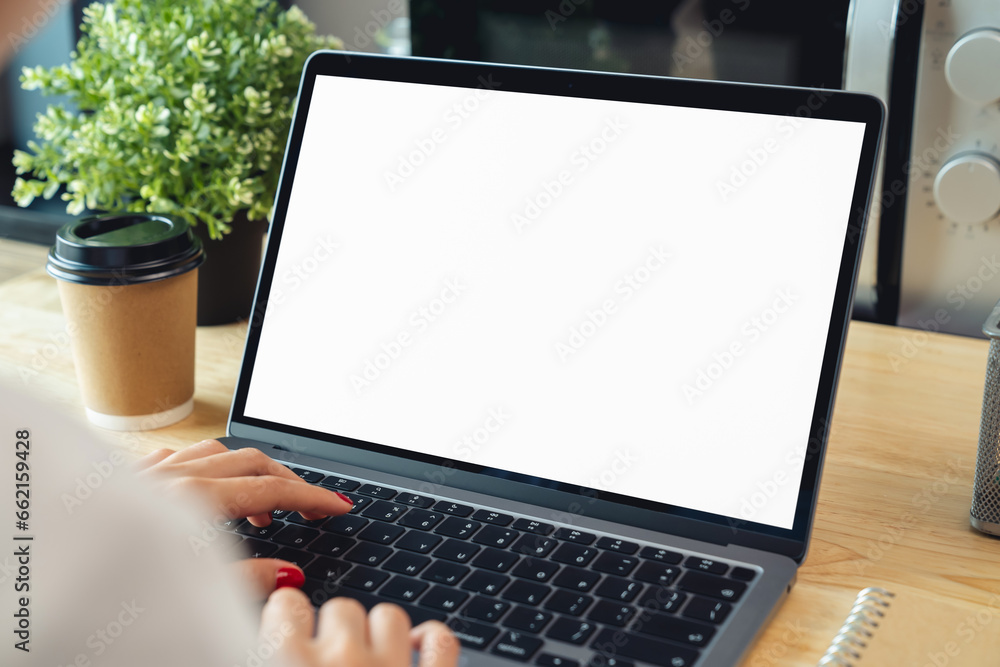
<point x="893" y="509"/>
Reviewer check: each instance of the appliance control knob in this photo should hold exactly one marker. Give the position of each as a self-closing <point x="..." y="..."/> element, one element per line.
<point x="967" y="189"/>
<point x="973" y="65"/>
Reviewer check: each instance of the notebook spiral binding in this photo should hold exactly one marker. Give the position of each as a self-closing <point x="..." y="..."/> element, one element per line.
<point x="859" y="627"/>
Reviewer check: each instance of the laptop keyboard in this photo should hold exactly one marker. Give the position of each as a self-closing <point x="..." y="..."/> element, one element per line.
<point x="509" y="585"/>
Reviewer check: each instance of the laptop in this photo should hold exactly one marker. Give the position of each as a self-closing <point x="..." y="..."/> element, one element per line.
<point x="569" y="340"/>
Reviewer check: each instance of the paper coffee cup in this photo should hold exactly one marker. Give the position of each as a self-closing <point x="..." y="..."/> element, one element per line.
<point x="128" y="286"/>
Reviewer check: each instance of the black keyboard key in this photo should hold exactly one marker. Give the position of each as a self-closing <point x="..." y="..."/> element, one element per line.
<point x="661" y="599"/>
<point x="704" y="609"/>
<point x="712" y="586"/>
<point x="527" y="619"/>
<point x="456" y="550"/>
<point x="413" y="500"/>
<point x="566" y="602"/>
<point x="449" y="507"/>
<point x="611" y="613"/>
<point x="534" y="545"/>
<point x="295" y="536"/>
<point x="381" y="533"/>
<point x="661" y="555"/>
<point x="417" y="614"/>
<point x="295" y="517"/>
<point x="405" y="562"/>
<point x="517" y="646"/>
<point x="330" y="544"/>
<point x="319" y="591"/>
<point x="743" y="573"/>
<point x="526" y="592"/>
<point x="618" y="546"/>
<point x="706" y="565"/>
<point x="310" y="476"/>
<point x="487" y="583"/>
<point x="616" y="588"/>
<point x="455" y="526"/>
<point x="576" y="579"/>
<point x="346" y="524"/>
<point x="339" y="483"/>
<point x="573" y="535"/>
<point x="613" y="563"/>
<point x="570" y="630"/>
<point x="496" y="560"/>
<point x="485" y="609"/>
<point x="536" y="527"/>
<point x="294" y="556"/>
<point x="601" y="661"/>
<point x="535" y="569"/>
<point x="417" y="541"/>
<point x="445" y="599"/>
<point x="383" y="510"/>
<point x="668" y="626"/>
<point x="232" y="524"/>
<point x="376" y="491"/>
<point x="496" y="518"/>
<point x="614" y="643"/>
<point x="359" y="502"/>
<point x="260" y="532"/>
<point x="368" y="554"/>
<point x="549" y="660"/>
<point x="472" y="635"/>
<point x="364" y="578"/>
<point x="326" y="569"/>
<point x="421" y="519"/>
<point x="277" y="514"/>
<point x="657" y="573"/>
<point x="403" y="588"/>
<point x="259" y="548"/>
<point x="496" y="536"/>
<point x="574" y="554"/>
<point x="443" y="572"/>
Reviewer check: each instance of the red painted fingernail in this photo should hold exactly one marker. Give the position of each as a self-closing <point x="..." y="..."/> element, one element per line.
<point x="290" y="577"/>
<point x="344" y="498"/>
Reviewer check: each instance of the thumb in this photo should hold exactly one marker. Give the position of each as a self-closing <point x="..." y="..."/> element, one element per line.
<point x="260" y="575"/>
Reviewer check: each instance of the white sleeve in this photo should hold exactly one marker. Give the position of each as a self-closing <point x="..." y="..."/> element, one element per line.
<point x="112" y="575"/>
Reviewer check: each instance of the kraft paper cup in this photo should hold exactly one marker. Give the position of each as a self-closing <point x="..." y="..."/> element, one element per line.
<point x="128" y="286"/>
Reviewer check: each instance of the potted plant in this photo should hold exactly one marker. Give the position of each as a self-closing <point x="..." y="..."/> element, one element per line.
<point x="181" y="108"/>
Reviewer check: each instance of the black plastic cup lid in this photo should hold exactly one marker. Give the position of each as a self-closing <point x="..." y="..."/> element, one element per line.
<point x="124" y="250"/>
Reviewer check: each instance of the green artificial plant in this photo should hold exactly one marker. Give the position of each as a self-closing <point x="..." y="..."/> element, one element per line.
<point x="182" y="107"/>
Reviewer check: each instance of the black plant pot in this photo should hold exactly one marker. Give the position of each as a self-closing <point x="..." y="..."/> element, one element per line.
<point x="227" y="279"/>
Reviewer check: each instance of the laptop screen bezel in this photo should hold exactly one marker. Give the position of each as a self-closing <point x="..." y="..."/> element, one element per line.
<point x="775" y="100"/>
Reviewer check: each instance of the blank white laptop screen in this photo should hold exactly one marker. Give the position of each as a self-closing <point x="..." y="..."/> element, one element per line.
<point x="623" y="296"/>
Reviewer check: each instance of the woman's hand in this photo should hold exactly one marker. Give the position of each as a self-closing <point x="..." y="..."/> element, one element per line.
<point x="348" y="637"/>
<point x="243" y="483"/>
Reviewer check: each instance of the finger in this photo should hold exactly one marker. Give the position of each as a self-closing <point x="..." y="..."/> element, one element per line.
<point x="260" y="575"/>
<point x="288" y="613"/>
<point x="196" y="451"/>
<point x="389" y="627"/>
<point x="260" y="520"/>
<point x="150" y="460"/>
<point x="248" y="496"/>
<point x="234" y="463"/>
<point x="437" y="644"/>
<point x="342" y="621"/>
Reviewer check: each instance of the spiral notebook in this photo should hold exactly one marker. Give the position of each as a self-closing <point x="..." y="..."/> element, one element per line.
<point x="907" y="628"/>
